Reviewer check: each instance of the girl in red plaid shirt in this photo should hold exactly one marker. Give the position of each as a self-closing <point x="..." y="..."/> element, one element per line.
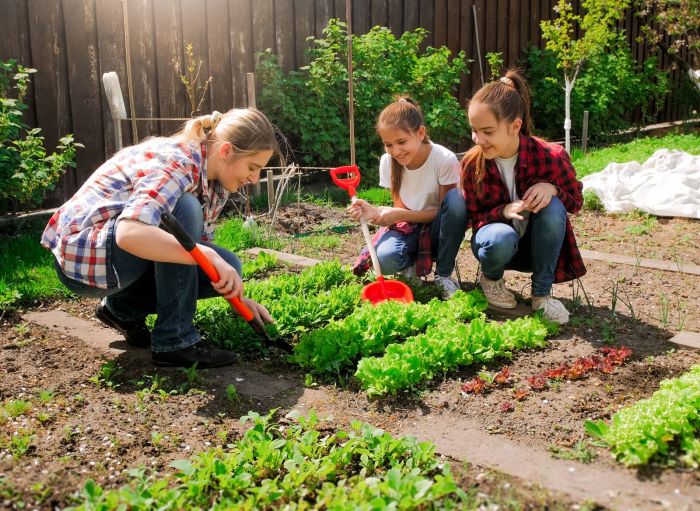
<point x="107" y="242"/>
<point x="518" y="190"/>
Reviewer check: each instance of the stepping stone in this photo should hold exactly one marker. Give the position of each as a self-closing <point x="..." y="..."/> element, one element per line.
<point x="284" y="256"/>
<point x="655" y="264"/>
<point x="248" y="382"/>
<point x="686" y="339"/>
<point x="521" y="310"/>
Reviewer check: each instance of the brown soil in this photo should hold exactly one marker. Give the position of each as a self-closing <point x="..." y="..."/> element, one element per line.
<point x="96" y="431"/>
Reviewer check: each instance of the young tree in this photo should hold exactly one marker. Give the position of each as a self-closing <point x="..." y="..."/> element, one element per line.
<point x="596" y="26"/>
<point x="672" y="25"/>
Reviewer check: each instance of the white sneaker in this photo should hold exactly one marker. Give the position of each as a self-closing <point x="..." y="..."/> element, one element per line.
<point x="409" y="273"/>
<point x="447" y="285"/>
<point x="552" y="309"/>
<point x="497" y="294"/>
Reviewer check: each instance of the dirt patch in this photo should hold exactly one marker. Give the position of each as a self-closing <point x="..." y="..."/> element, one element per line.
<point x="91" y="429"/>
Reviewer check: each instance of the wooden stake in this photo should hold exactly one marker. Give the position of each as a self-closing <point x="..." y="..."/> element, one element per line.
<point x="584" y="132"/>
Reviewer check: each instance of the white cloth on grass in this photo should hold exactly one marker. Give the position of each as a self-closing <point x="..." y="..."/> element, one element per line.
<point x="667" y="184"/>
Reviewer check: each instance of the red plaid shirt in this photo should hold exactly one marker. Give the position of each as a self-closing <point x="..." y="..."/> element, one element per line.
<point x="538" y="162"/>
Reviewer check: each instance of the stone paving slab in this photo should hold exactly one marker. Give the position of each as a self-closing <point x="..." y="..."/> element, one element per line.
<point x="620" y="489"/>
<point x="686" y="339"/>
<point x="247" y="381"/>
<point x="655" y="264"/>
<point x="284" y="256"/>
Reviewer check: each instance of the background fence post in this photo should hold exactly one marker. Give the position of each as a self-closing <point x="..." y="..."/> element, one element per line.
<point x="584" y="132"/>
<point x="270" y="190"/>
<point x="250" y="87"/>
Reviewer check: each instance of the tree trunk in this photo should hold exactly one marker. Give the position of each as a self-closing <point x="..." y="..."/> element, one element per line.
<point x="569" y="85"/>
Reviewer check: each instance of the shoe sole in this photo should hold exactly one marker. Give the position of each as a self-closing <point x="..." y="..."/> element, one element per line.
<point x="504" y="306"/>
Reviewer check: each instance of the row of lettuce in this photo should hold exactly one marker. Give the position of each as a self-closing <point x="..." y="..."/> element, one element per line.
<point x="394" y="347"/>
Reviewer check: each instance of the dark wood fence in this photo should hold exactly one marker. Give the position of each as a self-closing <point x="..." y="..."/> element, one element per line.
<point x="73" y="42"/>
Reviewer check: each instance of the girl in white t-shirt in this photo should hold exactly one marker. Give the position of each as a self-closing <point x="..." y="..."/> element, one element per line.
<point x="428" y="218"/>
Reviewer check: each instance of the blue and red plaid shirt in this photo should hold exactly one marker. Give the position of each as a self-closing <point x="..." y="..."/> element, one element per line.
<point x="538" y="162"/>
<point x="139" y="183"/>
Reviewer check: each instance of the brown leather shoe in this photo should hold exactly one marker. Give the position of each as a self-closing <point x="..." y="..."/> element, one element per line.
<point x="200" y="354"/>
<point x="135" y="332"/>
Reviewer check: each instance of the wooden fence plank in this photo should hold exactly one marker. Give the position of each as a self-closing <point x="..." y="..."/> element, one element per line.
<point x="241" y="47"/>
<point x="84" y="85"/>
<point x="284" y="34"/>
<point x="426" y="20"/>
<point x="361" y="17"/>
<point x="453" y="20"/>
<point x="324" y="12"/>
<point x="194" y="31"/>
<point x="379" y="14"/>
<point x="14" y="30"/>
<point x="514" y="49"/>
<point x="502" y="35"/>
<point x="51" y="82"/>
<point x="396" y="16"/>
<point x="491" y="34"/>
<point x="440" y="23"/>
<point x="219" y="48"/>
<point x="304" y="15"/>
<point x="466" y="42"/>
<point x="411" y="12"/>
<point x="172" y="99"/>
<point x="339" y="9"/>
<point x="263" y="26"/>
<point x="535" y="32"/>
<point x="524" y="30"/>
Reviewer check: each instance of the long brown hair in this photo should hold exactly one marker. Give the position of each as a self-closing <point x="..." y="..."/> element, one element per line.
<point x="508" y="98"/>
<point x="404" y="114"/>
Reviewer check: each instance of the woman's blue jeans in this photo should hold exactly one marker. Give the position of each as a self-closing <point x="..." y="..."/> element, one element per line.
<point x="497" y="247"/>
<point x="169" y="290"/>
<point x="398" y="251"/>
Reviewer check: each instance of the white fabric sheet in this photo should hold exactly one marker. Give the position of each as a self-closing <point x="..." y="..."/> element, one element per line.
<point x="667" y="184"/>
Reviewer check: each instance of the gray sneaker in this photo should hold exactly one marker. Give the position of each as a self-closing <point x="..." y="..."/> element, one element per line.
<point x="447" y="285"/>
<point x="552" y="309"/>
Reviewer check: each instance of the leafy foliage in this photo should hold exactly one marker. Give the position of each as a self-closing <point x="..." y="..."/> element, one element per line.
<point x="660" y="428"/>
<point x="26" y="170"/>
<point x="294" y="467"/>
<point x="611" y="89"/>
<point x="311" y="105"/>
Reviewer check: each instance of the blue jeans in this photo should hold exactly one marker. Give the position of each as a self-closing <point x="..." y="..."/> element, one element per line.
<point x="497" y="247"/>
<point x="398" y="251"/>
<point x="169" y="290"/>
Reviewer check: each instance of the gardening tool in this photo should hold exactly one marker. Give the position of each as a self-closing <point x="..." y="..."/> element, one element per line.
<point x="174" y="227"/>
<point x="380" y="290"/>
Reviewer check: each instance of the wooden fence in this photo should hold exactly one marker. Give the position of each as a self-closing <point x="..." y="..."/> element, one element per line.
<point x="73" y="42"/>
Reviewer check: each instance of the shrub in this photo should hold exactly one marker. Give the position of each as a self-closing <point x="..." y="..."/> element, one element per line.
<point x="26" y="170"/>
<point x="311" y="105"/>
<point x="612" y="87"/>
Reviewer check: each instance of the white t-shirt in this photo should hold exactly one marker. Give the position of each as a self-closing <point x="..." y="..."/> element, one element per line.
<point x="420" y="188"/>
<point x="506" y="166"/>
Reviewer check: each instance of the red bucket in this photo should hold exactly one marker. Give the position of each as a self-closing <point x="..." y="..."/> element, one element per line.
<point x="393" y="290"/>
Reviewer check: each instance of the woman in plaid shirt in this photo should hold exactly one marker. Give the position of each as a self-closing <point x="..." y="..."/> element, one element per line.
<point x="518" y="190"/>
<point x="107" y="241"/>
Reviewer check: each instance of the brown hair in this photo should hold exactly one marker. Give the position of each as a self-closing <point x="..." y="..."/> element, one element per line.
<point x="246" y="129"/>
<point x="508" y="98"/>
<point x="404" y="114"/>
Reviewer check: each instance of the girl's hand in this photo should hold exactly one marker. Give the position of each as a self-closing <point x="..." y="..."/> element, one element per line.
<point x="363" y="209"/>
<point x="512" y="211"/>
<point x="539" y="196"/>
<point x="259" y="310"/>
<point x="389" y="216"/>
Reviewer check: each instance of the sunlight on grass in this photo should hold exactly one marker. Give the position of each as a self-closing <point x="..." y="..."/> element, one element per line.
<point x="637" y="150"/>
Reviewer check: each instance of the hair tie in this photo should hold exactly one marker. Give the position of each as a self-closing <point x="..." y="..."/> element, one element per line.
<point x="402" y="100"/>
<point x="210" y="122"/>
<point x="510" y="83"/>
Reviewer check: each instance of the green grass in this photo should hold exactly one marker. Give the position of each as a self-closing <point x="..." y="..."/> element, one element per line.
<point x="321" y="241"/>
<point x="637" y="150"/>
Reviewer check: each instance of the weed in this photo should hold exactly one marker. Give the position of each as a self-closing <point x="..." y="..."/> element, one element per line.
<point x="232" y="394"/>
<point x="20" y="443"/>
<point x="582" y="452"/>
<point x="107" y="375"/>
<point x="193" y="379"/>
<point x="664" y="308"/>
<point x="16" y="407"/>
<point x="157" y="439"/>
<point x="591" y="201"/>
<point x="648" y="223"/>
<point x="46" y="396"/>
<point x="44" y="417"/>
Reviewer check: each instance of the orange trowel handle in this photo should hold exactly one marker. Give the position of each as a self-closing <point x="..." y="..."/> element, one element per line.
<point x="350" y="182"/>
<point x="174" y="227"/>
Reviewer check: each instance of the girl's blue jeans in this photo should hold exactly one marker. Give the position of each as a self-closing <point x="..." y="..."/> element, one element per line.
<point x="398" y="251"/>
<point x="169" y="290"/>
<point x="497" y="247"/>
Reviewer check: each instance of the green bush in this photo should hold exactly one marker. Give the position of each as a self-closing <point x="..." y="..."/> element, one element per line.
<point x="311" y="105"/>
<point x="611" y="87"/>
<point x="26" y="170"/>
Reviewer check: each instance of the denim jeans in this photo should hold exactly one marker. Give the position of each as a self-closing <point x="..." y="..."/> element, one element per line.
<point x="169" y="290"/>
<point x="398" y="251"/>
<point x="497" y="247"/>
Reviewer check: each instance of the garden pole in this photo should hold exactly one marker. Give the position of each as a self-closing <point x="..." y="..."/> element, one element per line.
<point x="270" y="191"/>
<point x="351" y="114"/>
<point x="478" y="48"/>
<point x="584" y="132"/>
<point x="250" y="86"/>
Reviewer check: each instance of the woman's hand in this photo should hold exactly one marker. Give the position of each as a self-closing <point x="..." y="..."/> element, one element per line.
<point x="259" y="310"/>
<point x="389" y="216"/>
<point x="363" y="209"/>
<point x="230" y="283"/>
<point x="539" y="196"/>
